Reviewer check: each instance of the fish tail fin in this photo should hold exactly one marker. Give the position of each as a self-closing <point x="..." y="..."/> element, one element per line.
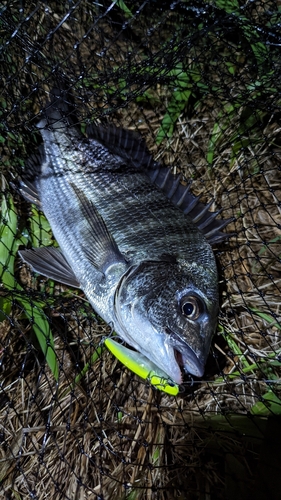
<point x="57" y="114"/>
<point x="59" y="111"/>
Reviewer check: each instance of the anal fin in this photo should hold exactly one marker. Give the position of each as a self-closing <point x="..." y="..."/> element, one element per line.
<point x="28" y="190"/>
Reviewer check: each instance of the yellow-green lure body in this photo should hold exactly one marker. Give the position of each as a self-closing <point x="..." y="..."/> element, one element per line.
<point x="142" y="366"/>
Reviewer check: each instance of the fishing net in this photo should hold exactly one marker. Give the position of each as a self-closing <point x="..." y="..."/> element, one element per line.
<point x="200" y="81"/>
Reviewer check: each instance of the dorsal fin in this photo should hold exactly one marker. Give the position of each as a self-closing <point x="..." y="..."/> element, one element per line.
<point x="130" y="146"/>
<point x="125" y="143"/>
<point x="181" y="197"/>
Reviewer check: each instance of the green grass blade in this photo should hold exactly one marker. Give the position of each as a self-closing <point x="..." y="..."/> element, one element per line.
<point x="235" y="348"/>
<point x="9" y="243"/>
<point x="269" y="404"/>
<point x="176" y="106"/>
<point x="266" y="317"/>
<point x="124" y="8"/>
<point x="266" y="362"/>
<point x="95" y="356"/>
<point x="182" y="90"/>
<point x="42" y="330"/>
<point x="264" y="248"/>
<point x="8" y="247"/>
<point x="40" y="230"/>
<point x="219" y="128"/>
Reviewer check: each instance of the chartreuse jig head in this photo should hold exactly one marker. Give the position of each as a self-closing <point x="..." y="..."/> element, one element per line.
<point x="142" y="366"/>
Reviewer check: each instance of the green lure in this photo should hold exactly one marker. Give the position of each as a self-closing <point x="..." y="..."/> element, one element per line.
<point x="144" y="368"/>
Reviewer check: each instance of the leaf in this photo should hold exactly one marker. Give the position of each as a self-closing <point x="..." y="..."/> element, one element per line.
<point x="42" y="331"/>
<point x="230" y="6"/>
<point x="9" y="243"/>
<point x="124" y="7"/>
<point x="182" y="90"/>
<point x="40" y="229"/>
<point x="266" y="317"/>
<point x="270" y="404"/>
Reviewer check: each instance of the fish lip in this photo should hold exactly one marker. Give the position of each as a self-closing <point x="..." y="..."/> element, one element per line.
<point x="185" y="356"/>
<point x="190" y="363"/>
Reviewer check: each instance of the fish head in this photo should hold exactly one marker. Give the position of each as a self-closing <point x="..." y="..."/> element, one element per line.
<point x="168" y="312"/>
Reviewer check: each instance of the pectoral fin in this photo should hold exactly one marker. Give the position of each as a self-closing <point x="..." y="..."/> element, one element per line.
<point x="50" y="262"/>
<point x="102" y="249"/>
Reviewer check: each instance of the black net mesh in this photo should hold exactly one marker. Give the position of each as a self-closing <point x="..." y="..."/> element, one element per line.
<point x="200" y="81"/>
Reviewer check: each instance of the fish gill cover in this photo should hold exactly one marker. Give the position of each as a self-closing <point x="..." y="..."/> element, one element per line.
<point x="200" y="82"/>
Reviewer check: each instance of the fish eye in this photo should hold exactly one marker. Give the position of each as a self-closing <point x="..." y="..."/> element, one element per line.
<point x="191" y="307"/>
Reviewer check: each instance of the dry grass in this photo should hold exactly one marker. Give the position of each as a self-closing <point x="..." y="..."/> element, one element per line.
<point x="111" y="435"/>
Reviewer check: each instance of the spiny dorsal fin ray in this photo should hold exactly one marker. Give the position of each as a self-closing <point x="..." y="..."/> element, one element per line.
<point x="132" y="147"/>
<point x="124" y="143"/>
<point x="199" y="213"/>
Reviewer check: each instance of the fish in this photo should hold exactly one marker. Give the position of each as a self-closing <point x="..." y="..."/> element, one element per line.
<point x="131" y="235"/>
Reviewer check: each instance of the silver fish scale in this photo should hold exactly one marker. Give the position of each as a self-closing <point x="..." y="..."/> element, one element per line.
<point x="144" y="224"/>
<point x="139" y="217"/>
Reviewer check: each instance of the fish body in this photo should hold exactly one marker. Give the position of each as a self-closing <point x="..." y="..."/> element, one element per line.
<point x="144" y="265"/>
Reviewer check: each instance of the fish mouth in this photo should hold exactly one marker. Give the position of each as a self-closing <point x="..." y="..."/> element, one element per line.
<point x="177" y="357"/>
<point x="185" y="357"/>
<point x="189" y="362"/>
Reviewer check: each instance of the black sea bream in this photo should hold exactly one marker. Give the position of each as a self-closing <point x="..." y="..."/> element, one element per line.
<point x="145" y="266"/>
